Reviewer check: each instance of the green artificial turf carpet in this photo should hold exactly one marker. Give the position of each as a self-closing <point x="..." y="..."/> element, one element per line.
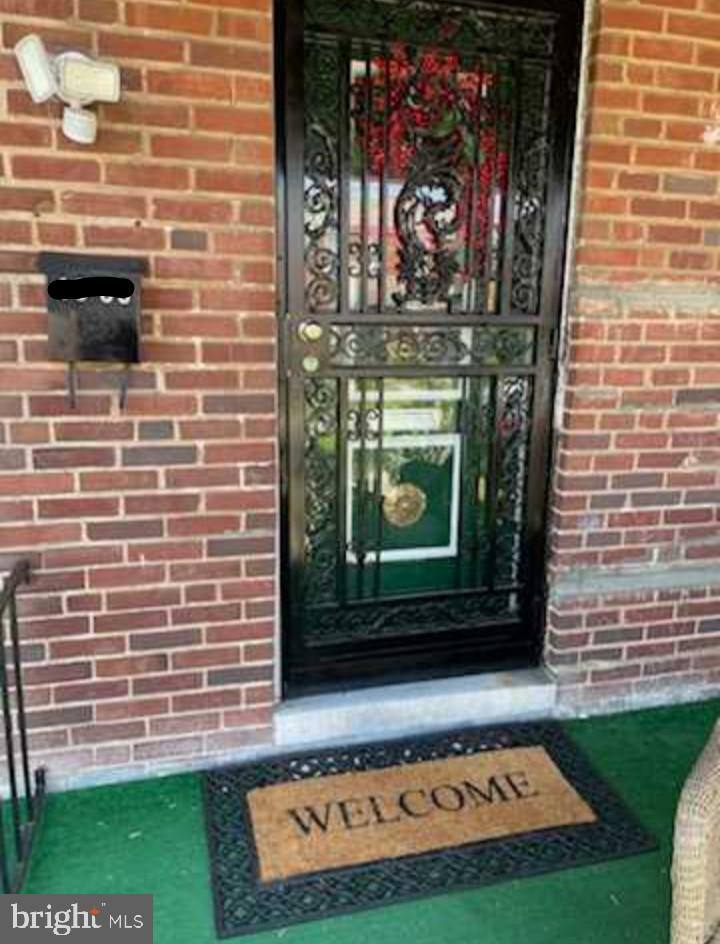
<point x="149" y="837"/>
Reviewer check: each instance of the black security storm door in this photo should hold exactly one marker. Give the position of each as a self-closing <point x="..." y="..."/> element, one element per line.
<point x="424" y="162"/>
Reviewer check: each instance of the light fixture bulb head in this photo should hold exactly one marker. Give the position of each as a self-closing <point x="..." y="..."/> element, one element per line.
<point x="79" y="124"/>
<point x="36" y="67"/>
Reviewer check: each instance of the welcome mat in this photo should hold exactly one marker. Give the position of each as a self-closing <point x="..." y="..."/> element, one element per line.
<point x="315" y="834"/>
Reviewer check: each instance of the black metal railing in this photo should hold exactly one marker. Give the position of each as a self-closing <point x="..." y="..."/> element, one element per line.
<point x="20" y="813"/>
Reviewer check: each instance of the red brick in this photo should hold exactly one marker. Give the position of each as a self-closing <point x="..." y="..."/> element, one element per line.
<point x="244" y="26"/>
<point x="191" y="147"/>
<point x="206" y="657"/>
<point x="150" y="176"/>
<point x="87" y="691"/>
<point x="78" y="507"/>
<point x="230" y="56"/>
<point x="97" y="733"/>
<point x="174" y="682"/>
<point x="663" y="48"/>
<point x="669" y="104"/>
<point x="98" y="11"/>
<point x="624" y="17"/>
<point x="137" y="708"/>
<point x="174" y="747"/>
<point x="135" y="46"/>
<point x="256" y="213"/>
<point x="126" y="576"/>
<point x="234" y="181"/>
<point x="131" y="665"/>
<point x="166" y="115"/>
<point x="708" y="56"/>
<point x="161" y="503"/>
<point x="170" y="19"/>
<point x="60" y="672"/>
<point x="165" y="551"/>
<point x="185" y="267"/>
<point x="124" y="237"/>
<point x="203" y="525"/>
<point x="110" y="481"/>
<point x="48" y="9"/>
<point x="30" y="167"/>
<point x="184" y="84"/>
<point x="679" y="235"/>
<point x="694" y="26"/>
<point x="193" y="210"/>
<point x="17" y="134"/>
<point x="67" y="458"/>
<point x="36" y="484"/>
<point x="235" y="120"/>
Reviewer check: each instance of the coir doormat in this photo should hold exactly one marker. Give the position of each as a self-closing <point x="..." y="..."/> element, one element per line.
<point x="315" y="834"/>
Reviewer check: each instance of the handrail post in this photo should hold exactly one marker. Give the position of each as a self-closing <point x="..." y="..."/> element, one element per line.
<point x="9" y="741"/>
<point x="20" y="705"/>
<point x="4" y="871"/>
<point x="13" y="869"/>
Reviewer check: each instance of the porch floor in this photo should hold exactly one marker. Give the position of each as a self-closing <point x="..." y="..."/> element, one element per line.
<point x="148" y="837"/>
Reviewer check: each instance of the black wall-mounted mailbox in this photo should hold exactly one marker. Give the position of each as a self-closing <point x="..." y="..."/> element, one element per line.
<point x="93" y="327"/>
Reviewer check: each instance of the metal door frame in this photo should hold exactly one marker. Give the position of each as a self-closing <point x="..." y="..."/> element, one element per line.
<point x="289" y="121"/>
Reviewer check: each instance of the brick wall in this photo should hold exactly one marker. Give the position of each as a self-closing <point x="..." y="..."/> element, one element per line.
<point x="150" y="622"/>
<point x="635" y="584"/>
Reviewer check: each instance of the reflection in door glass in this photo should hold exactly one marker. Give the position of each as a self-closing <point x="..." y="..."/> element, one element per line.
<point x="430" y="136"/>
<point x="407" y="450"/>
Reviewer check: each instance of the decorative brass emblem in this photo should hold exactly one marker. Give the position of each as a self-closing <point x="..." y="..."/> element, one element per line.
<point x="404" y="505"/>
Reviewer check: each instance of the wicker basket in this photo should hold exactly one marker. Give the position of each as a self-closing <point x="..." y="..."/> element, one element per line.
<point x="696" y="857"/>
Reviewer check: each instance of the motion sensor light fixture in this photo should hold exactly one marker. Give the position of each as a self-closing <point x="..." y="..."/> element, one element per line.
<point x="75" y="78"/>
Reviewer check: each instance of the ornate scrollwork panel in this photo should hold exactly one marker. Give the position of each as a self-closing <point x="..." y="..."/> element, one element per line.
<point x="361" y="345"/>
<point x="396" y="618"/>
<point x="514" y="429"/>
<point x="321" y="510"/>
<point x="321" y="196"/>
<point x="533" y="154"/>
<point x="422" y="22"/>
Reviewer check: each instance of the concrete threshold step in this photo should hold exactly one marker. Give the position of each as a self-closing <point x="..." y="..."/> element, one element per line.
<point x="395" y="710"/>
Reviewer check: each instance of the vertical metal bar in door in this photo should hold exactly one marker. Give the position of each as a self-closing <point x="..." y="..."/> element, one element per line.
<point x="345" y="210"/>
<point x="382" y="236"/>
<point x="497" y="399"/>
<point x="491" y="238"/>
<point x="364" y="257"/>
<point x="359" y="542"/>
<point x="344" y="175"/>
<point x="341" y="469"/>
<point x="378" y="497"/>
<point x="472" y="200"/>
<point x="464" y="419"/>
<point x="512" y="193"/>
<point x="484" y="417"/>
